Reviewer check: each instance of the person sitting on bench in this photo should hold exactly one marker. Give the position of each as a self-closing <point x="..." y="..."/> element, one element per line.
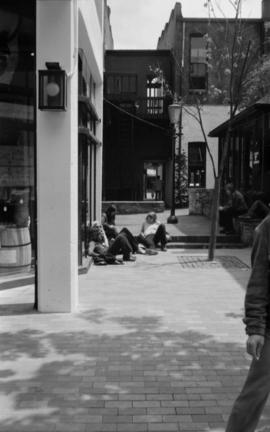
<point x="235" y="206"/>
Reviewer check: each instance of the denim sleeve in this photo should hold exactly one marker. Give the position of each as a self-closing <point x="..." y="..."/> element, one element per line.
<point x="257" y="295"/>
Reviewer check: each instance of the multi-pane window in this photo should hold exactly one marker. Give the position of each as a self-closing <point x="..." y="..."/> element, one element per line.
<point x="196" y="164"/>
<point x="87" y="163"/>
<point x="154" y="96"/>
<point x="87" y="95"/>
<point x="198" y="66"/>
<point x="87" y="85"/>
<point x="17" y="137"/>
<point x="121" y="84"/>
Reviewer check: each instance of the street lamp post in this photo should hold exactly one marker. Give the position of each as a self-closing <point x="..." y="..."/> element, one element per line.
<point x="174" y="115"/>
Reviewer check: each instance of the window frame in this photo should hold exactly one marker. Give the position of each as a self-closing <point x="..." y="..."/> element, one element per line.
<point x="119" y="78"/>
<point x="196" y="78"/>
<point x="195" y="165"/>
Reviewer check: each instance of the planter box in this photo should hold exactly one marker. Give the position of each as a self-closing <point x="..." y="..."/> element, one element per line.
<point x="247" y="229"/>
<point x="135" y="207"/>
<point x="200" y="201"/>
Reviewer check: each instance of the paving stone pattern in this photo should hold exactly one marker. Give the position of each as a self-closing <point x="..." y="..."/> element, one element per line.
<point x="201" y="261"/>
<point x="153" y="347"/>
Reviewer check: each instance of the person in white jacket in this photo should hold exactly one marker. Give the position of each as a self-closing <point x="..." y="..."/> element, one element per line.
<point x="153" y="233"/>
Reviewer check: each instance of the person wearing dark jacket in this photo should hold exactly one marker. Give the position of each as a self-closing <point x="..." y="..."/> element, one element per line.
<point x="249" y="405"/>
<point x="99" y="245"/>
<point x="112" y="232"/>
<point x="235" y="206"/>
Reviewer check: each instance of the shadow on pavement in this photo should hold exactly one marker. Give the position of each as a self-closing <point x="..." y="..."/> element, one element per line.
<point x="17" y="309"/>
<point x="75" y="380"/>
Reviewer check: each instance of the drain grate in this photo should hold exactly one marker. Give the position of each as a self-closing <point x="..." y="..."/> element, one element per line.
<point x="201" y="261"/>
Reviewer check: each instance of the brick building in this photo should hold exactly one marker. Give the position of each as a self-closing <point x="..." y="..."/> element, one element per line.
<point x="201" y="71"/>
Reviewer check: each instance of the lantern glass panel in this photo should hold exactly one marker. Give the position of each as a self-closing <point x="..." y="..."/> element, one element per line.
<point x="53" y="90"/>
<point x="174" y="113"/>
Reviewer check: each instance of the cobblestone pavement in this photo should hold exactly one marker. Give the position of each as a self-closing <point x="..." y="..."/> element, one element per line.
<point x="154" y="347"/>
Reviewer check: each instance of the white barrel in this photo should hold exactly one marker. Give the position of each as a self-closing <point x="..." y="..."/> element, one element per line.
<point x="15" y="250"/>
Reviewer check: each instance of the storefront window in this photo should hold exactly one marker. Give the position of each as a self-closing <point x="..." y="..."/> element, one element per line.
<point x="196" y="164"/>
<point x="255" y="165"/>
<point x="17" y="136"/>
<point x="87" y="154"/>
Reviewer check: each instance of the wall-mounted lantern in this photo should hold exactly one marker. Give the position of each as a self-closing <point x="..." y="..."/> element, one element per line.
<point x="52" y="88"/>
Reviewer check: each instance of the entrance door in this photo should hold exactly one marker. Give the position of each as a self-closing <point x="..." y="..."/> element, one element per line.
<point x="153" y="182"/>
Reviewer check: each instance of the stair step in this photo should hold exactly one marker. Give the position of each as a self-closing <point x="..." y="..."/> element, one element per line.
<point x="203" y="245"/>
<point x="205" y="239"/>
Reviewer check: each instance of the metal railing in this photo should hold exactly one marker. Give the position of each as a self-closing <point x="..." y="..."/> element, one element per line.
<point x="154" y="107"/>
<point x="150" y="107"/>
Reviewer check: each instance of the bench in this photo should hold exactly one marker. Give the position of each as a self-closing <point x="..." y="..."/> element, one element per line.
<point x="246" y="229"/>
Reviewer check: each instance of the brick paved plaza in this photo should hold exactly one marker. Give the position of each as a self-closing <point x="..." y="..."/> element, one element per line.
<point x="154" y="347"/>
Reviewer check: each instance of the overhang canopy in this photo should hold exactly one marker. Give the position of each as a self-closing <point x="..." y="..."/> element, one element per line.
<point x="261" y="105"/>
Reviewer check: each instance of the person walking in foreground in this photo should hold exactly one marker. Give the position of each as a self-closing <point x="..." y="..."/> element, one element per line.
<point x="248" y="406"/>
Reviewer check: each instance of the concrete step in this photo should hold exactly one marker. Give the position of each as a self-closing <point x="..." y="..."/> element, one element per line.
<point x="203" y="245"/>
<point x="205" y="239"/>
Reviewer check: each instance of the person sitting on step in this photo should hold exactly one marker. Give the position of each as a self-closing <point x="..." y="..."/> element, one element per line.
<point x="99" y="245"/>
<point x="153" y="233"/>
<point x="111" y="231"/>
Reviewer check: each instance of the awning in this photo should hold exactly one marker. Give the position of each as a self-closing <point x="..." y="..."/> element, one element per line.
<point x="261" y="105"/>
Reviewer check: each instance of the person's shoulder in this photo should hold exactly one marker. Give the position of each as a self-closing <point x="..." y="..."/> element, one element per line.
<point x="238" y="194"/>
<point x="264" y="226"/>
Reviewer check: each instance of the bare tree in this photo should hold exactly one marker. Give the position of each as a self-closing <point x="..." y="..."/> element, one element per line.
<point x="232" y="51"/>
<point x="230" y="56"/>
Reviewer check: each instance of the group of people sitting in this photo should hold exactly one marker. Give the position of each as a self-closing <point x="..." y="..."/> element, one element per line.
<point x="106" y="242"/>
<point x="236" y="206"/>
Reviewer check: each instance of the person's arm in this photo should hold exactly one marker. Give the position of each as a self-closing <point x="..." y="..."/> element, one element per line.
<point x="257" y="295"/>
<point x="227" y="205"/>
<point x="105" y="238"/>
<point x="91" y="247"/>
<point x="238" y="202"/>
<point x="142" y="230"/>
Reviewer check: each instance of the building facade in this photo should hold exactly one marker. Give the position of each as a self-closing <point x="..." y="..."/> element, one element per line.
<point x="137" y="139"/>
<point x="248" y="161"/>
<point x="200" y="48"/>
<point x="50" y="169"/>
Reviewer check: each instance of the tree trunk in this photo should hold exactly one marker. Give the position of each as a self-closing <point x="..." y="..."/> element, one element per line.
<point x="214" y="219"/>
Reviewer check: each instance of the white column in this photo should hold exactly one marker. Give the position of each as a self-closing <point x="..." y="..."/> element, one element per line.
<point x="57" y="165"/>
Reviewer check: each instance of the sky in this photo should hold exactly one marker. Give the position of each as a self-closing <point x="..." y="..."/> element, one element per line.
<point x="137" y="24"/>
